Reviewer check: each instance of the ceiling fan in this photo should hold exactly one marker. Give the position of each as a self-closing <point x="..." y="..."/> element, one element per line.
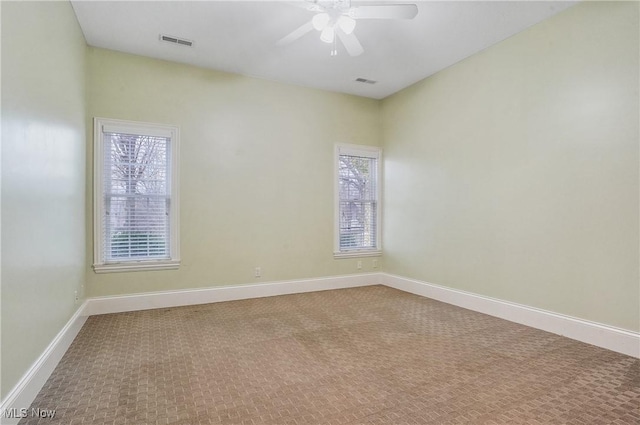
<point x="337" y="19"/>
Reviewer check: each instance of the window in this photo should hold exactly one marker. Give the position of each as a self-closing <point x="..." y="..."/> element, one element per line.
<point x="357" y="201"/>
<point x="135" y="196"/>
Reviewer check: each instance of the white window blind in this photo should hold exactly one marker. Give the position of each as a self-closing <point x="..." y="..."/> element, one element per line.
<point x="136" y="215"/>
<point x="358" y="203"/>
<point x="137" y="197"/>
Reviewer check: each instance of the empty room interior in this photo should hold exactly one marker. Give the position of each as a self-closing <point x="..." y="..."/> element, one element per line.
<point x="385" y="212"/>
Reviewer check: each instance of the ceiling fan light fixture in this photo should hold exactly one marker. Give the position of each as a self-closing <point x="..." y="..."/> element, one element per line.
<point x="320" y="21"/>
<point x="328" y="34"/>
<point x="336" y="19"/>
<point x="346" y="24"/>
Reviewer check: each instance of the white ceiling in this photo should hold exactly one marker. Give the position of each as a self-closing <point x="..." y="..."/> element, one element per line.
<point x="240" y="37"/>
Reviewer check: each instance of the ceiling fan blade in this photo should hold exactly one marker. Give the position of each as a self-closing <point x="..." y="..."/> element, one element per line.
<point x="311" y="6"/>
<point x="351" y="43"/>
<point x="385" y="11"/>
<point x="295" y="34"/>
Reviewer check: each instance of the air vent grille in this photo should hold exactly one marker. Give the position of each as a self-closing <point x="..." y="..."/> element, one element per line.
<point x="176" y="40"/>
<point x="366" y="81"/>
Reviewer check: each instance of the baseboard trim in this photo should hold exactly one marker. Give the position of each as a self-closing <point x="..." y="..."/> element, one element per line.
<point x="26" y="390"/>
<point x="604" y="336"/>
<point x="150" y="300"/>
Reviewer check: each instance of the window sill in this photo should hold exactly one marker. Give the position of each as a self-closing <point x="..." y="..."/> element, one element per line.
<point x="136" y="266"/>
<point x="353" y="254"/>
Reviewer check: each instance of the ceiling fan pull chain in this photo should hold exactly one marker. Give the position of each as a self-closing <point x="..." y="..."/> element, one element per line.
<point x="334" y="52"/>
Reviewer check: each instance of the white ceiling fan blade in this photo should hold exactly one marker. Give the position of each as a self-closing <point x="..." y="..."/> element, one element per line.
<point x="295" y="34"/>
<point x="385" y="11"/>
<point x="307" y="5"/>
<point x="351" y="43"/>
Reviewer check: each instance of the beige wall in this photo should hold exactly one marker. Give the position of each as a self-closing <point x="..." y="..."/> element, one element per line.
<point x="256" y="176"/>
<point x="514" y="173"/>
<point x="43" y="178"/>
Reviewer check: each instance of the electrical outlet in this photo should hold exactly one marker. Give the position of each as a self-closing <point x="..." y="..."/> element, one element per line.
<point x="359" y="265"/>
<point x="258" y="272"/>
<point x="375" y="263"/>
<point x="77" y="298"/>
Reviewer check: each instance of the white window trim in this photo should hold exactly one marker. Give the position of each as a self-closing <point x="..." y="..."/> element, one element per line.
<point x="99" y="266"/>
<point x="356" y="150"/>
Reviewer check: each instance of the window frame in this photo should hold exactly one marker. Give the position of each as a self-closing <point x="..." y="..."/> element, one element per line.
<point x="134" y="127"/>
<point x="369" y="152"/>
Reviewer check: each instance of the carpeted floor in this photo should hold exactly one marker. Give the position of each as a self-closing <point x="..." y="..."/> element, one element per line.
<point x="371" y="355"/>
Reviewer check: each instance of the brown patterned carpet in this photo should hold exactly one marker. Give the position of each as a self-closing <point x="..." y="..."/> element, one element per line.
<point x="371" y="355"/>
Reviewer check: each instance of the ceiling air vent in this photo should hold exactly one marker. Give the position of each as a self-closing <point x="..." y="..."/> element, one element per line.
<point x="364" y="80"/>
<point x="176" y="40"/>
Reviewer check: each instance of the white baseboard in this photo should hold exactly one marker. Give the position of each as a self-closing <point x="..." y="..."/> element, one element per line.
<point x="149" y="300"/>
<point x="609" y="337"/>
<point x="26" y="390"/>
